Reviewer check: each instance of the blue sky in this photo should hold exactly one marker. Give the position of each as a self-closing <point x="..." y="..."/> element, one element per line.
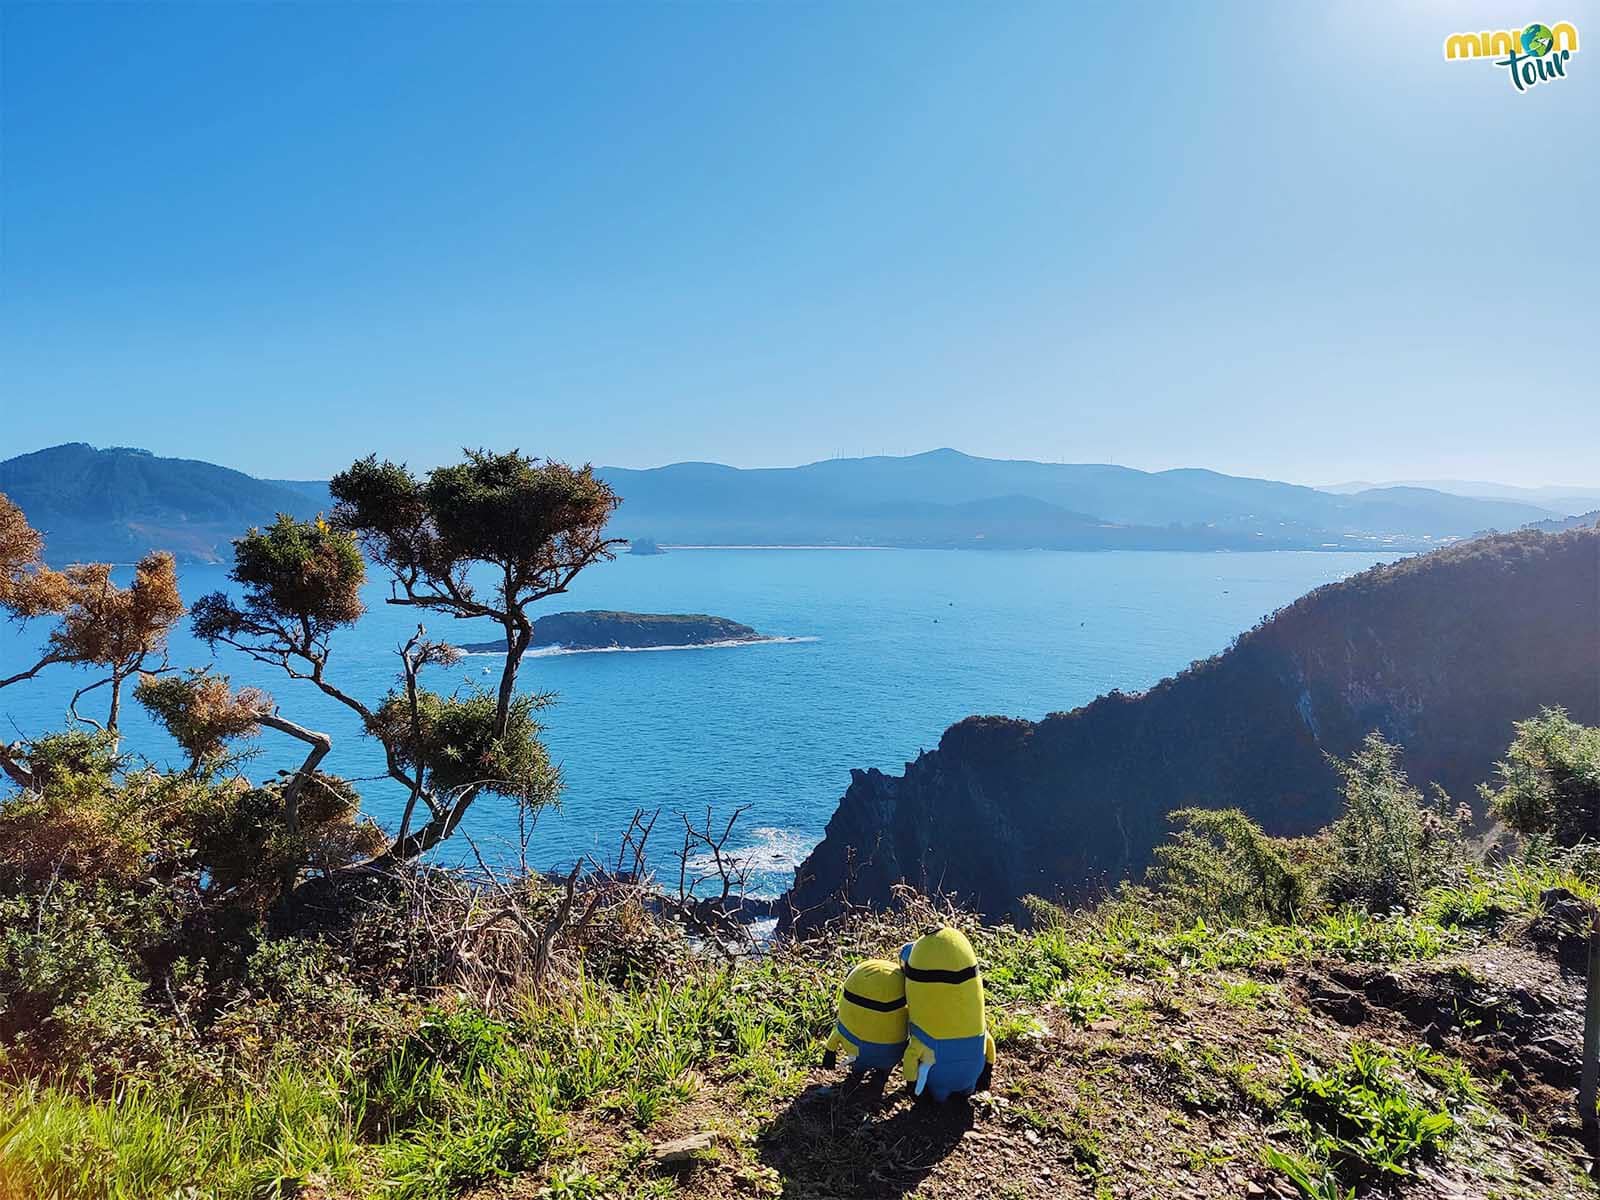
<point x="1279" y="239"/>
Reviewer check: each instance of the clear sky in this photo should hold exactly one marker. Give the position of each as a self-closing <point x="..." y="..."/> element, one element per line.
<point x="1283" y="239"/>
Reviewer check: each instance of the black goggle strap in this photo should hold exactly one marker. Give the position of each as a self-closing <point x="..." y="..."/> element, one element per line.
<point x="875" y="1005"/>
<point x="929" y="975"/>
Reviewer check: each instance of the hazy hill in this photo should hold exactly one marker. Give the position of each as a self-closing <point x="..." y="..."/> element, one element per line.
<point x="1440" y="652"/>
<point x="1558" y="499"/>
<point x="1029" y="503"/>
<point x="118" y="503"/>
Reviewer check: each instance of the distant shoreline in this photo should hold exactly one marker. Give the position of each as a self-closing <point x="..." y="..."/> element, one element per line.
<point x="1378" y="549"/>
<point x="686" y="546"/>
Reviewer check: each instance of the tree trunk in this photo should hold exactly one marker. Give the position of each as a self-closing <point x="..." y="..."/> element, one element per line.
<point x="320" y="744"/>
<point x="14" y="765"/>
<point x="1591" y="1031"/>
<point x="519" y="636"/>
<point x="430" y="835"/>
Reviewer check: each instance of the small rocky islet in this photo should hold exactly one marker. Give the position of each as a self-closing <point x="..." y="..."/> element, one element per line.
<point x="603" y="630"/>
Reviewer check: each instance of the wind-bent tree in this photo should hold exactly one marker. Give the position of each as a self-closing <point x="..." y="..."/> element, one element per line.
<point x="302" y="582"/>
<point x="28" y="588"/>
<point x="204" y="714"/>
<point x="530" y="525"/>
<point x="525" y="527"/>
<point x="121" y="630"/>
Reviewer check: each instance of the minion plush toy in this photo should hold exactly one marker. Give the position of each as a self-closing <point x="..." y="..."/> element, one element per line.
<point x="872" y="1018"/>
<point x="950" y="1051"/>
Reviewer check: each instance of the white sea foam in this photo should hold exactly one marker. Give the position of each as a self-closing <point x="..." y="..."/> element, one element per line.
<point x="770" y="856"/>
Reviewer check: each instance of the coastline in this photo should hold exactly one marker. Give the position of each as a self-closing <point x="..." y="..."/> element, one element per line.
<point x="725" y="644"/>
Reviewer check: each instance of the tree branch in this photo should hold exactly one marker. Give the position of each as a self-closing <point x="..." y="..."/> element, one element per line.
<point x="47" y="660"/>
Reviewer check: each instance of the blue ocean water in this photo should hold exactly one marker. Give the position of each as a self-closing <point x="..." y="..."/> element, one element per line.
<point x="895" y="645"/>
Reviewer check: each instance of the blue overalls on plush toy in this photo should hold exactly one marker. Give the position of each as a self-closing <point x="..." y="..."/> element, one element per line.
<point x="949" y="1051"/>
<point x="871" y="1028"/>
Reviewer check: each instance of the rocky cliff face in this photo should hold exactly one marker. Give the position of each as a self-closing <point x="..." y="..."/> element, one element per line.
<point x="1441" y="653"/>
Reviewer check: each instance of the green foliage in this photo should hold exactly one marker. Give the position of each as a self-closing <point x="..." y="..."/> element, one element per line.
<point x="1220" y="865"/>
<point x="302" y="580"/>
<point x="1360" y="1121"/>
<point x="74" y="823"/>
<point x="538" y="520"/>
<point x="240" y="838"/>
<point x="1550" y="779"/>
<point x="71" y="961"/>
<point x="456" y="746"/>
<point x="1390" y="846"/>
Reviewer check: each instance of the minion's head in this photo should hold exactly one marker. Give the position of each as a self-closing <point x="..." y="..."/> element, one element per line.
<point x="943" y="990"/>
<point x="872" y="1002"/>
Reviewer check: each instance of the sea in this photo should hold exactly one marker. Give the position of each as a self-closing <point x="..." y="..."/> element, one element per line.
<point x="873" y="653"/>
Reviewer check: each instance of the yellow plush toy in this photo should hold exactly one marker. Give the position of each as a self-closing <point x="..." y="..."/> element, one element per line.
<point x="871" y="1029"/>
<point x="950" y="1051"/>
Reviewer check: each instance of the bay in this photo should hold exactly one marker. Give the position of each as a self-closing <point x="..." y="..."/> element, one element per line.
<point x="889" y="648"/>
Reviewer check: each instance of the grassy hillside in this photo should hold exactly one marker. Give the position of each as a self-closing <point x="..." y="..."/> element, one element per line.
<point x="1137" y="1057"/>
<point x="1374" y="1010"/>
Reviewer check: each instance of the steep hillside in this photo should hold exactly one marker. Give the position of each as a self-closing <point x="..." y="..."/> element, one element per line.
<point x="118" y="503"/>
<point x="1440" y="652"/>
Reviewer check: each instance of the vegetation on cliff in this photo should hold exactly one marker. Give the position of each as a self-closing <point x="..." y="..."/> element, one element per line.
<point x="1440" y="653"/>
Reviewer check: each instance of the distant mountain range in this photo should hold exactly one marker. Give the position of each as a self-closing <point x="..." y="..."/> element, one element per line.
<point x="116" y="503"/>
<point x="946" y="498"/>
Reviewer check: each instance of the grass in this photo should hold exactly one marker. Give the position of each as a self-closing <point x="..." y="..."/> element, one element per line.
<point x="1360" y="1122"/>
<point x="468" y="1097"/>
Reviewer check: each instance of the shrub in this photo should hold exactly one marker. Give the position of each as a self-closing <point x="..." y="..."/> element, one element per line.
<point x="1390" y="846"/>
<point x="1220" y="865"/>
<point x="1550" y="780"/>
<point x="71" y="961"/>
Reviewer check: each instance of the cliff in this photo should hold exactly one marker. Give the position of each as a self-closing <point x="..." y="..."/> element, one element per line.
<point x="597" y="630"/>
<point x="1440" y="652"/>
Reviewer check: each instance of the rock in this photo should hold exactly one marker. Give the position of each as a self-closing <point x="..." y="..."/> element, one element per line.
<point x="682" y="1151"/>
<point x="1573" y="913"/>
<point x="1386" y="989"/>
<point x="1548" y="1067"/>
<point x="1343" y="1005"/>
